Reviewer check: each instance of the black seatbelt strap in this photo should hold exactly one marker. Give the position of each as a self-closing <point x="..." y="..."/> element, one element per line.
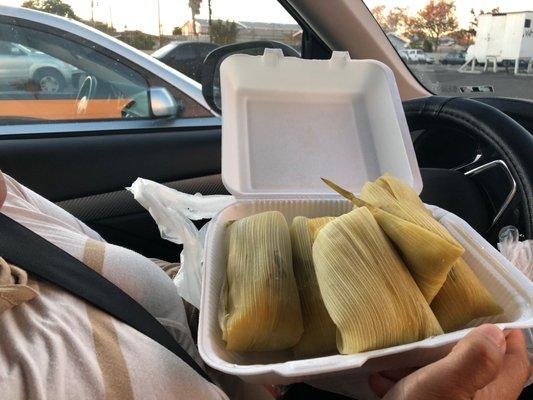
<point x="24" y="248"/>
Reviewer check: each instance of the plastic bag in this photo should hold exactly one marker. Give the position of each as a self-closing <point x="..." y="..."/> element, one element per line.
<point x="520" y="254"/>
<point x="173" y="212"/>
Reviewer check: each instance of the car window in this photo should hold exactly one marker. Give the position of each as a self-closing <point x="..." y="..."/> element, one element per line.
<point x="467" y="48"/>
<point x="203" y="26"/>
<point x="50" y="77"/>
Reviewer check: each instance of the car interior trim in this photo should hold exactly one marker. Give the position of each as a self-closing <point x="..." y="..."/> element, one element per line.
<point x="103" y="127"/>
<point x="512" y="192"/>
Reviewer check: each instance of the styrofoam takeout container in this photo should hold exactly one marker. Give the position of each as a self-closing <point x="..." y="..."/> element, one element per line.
<point x="287" y="122"/>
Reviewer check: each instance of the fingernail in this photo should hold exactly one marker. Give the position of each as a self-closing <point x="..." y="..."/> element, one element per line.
<point x="493" y="333"/>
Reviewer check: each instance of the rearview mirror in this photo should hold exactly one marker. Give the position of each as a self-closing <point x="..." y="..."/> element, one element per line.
<point x="211" y="65"/>
<point x="162" y="103"/>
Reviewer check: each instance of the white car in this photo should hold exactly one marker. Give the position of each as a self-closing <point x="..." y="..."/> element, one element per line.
<point x="59" y="70"/>
<point x="20" y="64"/>
<point x="416" y="56"/>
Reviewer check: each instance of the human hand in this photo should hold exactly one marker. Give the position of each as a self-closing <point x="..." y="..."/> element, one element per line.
<point x="485" y="365"/>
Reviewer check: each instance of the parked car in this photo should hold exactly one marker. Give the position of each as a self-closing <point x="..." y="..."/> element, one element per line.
<point x="186" y="57"/>
<point x="99" y="78"/>
<point x="20" y="64"/>
<point x="416" y="56"/>
<point x="429" y="59"/>
<point x="455" y="58"/>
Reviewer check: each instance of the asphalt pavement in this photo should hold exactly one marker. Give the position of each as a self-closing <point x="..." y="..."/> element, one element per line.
<point x="446" y="80"/>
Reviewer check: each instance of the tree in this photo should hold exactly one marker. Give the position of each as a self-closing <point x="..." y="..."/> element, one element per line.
<point x="223" y="32"/>
<point x="138" y="39"/>
<point x="101" y="26"/>
<point x="394" y="21"/>
<point x="436" y="19"/>
<point x="56" y="7"/>
<point x="463" y="37"/>
<point x="379" y="14"/>
<point x="177" y="31"/>
<point x="194" y="5"/>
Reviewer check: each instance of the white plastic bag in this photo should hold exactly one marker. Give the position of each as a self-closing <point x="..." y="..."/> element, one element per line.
<point x="519" y="253"/>
<point x="173" y="212"/>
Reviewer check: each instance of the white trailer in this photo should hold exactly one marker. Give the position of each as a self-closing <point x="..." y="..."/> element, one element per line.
<point x="502" y="38"/>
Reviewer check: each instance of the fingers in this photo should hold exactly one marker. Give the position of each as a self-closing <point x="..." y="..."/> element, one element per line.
<point x="380" y="385"/>
<point x="516" y="369"/>
<point x="472" y="364"/>
<point x="396" y="374"/>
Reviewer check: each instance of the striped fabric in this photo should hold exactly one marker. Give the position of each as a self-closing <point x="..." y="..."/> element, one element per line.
<point x="56" y="346"/>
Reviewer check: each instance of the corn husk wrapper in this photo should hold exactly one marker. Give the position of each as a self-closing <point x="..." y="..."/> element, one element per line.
<point x="463" y="297"/>
<point x="368" y="292"/>
<point x="260" y="306"/>
<point x="319" y="337"/>
<point x="316" y="224"/>
<point x="428" y="256"/>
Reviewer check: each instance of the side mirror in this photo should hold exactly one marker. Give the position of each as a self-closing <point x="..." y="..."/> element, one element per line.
<point x="162" y="103"/>
<point x="211" y="65"/>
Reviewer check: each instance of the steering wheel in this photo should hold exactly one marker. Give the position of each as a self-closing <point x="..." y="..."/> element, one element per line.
<point x="490" y="189"/>
<point x="86" y="92"/>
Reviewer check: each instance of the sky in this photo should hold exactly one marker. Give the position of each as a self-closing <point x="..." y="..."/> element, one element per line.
<point x="142" y="14"/>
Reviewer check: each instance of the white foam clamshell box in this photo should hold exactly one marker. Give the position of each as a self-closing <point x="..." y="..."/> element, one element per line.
<point x="287" y="122"/>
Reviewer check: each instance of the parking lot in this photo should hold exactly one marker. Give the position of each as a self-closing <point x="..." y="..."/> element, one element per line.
<point x="446" y="80"/>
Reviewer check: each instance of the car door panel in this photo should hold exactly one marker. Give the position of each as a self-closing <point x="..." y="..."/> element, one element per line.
<point x="67" y="167"/>
<point x="87" y="176"/>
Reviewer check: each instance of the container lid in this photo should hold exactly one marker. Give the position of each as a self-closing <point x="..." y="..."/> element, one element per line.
<point x="287" y="122"/>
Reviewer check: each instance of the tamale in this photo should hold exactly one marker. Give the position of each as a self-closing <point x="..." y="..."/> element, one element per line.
<point x="260" y="306"/>
<point x="428" y="256"/>
<point x="319" y="335"/>
<point x="366" y="288"/>
<point x="315" y="224"/>
<point x="462" y="297"/>
<point x="399" y="189"/>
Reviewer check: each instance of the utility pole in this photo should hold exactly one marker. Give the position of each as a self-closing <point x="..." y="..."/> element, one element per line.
<point x="159" y="21"/>
<point x="210" y="14"/>
<point x="92" y="10"/>
<point x="110" y="15"/>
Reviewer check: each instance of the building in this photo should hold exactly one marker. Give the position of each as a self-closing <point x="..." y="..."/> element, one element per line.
<point x="248" y="31"/>
<point x="397" y="41"/>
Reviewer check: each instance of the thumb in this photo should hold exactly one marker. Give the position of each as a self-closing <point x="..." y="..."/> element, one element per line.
<point x="471" y="365"/>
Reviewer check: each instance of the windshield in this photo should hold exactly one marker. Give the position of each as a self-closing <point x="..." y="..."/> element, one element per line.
<point x="456" y="48"/>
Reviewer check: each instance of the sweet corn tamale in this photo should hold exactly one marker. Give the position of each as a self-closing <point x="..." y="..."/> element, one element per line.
<point x="399" y="189"/>
<point x="315" y="224"/>
<point x="319" y="335"/>
<point x="428" y="256"/>
<point x="462" y="297"/>
<point x="366" y="288"/>
<point x="260" y="306"/>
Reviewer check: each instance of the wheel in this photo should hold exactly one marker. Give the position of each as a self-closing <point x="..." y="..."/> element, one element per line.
<point x="444" y="62"/>
<point x="49" y="80"/>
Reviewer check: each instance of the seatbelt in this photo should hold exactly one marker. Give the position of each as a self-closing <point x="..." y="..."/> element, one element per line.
<point x="22" y="247"/>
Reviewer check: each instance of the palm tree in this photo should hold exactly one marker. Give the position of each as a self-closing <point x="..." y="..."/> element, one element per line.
<point x="210" y="13"/>
<point x="194" y="5"/>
